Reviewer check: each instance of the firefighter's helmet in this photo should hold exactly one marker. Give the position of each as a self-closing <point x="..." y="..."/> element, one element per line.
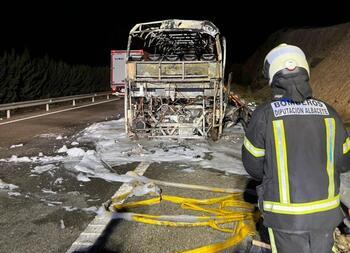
<point x="285" y="58"/>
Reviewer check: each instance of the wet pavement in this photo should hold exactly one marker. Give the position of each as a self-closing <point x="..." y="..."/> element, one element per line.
<point x="48" y="210"/>
<point x="50" y="214"/>
<point x="129" y="236"/>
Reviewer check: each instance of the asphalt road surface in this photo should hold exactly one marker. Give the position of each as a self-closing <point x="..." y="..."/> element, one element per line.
<point x="54" y="208"/>
<point x="36" y="221"/>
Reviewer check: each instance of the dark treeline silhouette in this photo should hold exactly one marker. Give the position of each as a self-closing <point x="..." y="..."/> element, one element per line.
<point x="25" y="78"/>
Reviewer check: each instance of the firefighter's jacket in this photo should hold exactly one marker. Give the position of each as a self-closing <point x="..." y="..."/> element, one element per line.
<point x="298" y="150"/>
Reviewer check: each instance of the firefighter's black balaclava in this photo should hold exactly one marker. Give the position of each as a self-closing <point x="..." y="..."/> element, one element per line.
<point x="287" y="70"/>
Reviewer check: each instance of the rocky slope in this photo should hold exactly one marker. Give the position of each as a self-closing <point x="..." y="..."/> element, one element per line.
<point x="328" y="53"/>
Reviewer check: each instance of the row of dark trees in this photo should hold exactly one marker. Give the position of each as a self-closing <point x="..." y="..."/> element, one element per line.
<point x="25" y="78"/>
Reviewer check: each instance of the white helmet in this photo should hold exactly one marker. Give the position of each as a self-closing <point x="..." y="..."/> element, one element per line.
<point x="284" y="57"/>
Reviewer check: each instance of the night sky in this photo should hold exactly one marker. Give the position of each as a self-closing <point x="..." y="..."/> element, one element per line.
<point x="84" y="32"/>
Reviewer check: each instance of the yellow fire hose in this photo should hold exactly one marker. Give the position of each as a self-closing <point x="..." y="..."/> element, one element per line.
<point x="240" y="214"/>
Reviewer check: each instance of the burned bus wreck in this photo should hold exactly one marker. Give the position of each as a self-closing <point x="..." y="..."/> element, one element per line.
<point x="175" y="86"/>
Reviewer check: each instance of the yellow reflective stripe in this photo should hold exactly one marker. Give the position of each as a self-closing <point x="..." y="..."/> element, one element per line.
<point x="282" y="164"/>
<point x="330" y="133"/>
<point x="257" y="152"/>
<point x="346" y="146"/>
<point x="302" y="208"/>
<point x="272" y="241"/>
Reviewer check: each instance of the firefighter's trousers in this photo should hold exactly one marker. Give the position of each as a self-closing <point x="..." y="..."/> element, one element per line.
<point x="316" y="241"/>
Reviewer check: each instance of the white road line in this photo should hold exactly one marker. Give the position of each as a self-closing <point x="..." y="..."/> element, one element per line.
<point x="64" y="110"/>
<point x="96" y="227"/>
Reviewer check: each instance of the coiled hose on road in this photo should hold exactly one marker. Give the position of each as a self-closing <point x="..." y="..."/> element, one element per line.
<point x="229" y="209"/>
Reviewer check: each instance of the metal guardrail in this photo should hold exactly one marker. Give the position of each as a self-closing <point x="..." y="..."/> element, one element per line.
<point x="11" y="106"/>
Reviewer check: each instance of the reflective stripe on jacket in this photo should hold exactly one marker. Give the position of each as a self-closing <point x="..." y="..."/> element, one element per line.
<point x="298" y="150"/>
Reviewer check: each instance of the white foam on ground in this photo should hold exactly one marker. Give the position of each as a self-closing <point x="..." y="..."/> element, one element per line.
<point x="43" y="168"/>
<point x="48" y="191"/>
<point x="93" y="209"/>
<point x="14" y="194"/>
<point x="116" y="148"/>
<point x="59" y="180"/>
<point x="16" y="159"/>
<point x="72" y="152"/>
<point x="49" y="135"/>
<point x="5" y="186"/>
<point x="33" y="159"/>
<point x="92" y="200"/>
<point x="145" y="189"/>
<point x="70" y="208"/>
<point x="74" y="143"/>
<point x="16" y="145"/>
<point x="188" y="170"/>
<point x="83" y="178"/>
<point x="62" y="224"/>
<point x="90" y="163"/>
<point x="46" y="159"/>
<point x="75" y="152"/>
<point x="52" y="203"/>
<point x="63" y="149"/>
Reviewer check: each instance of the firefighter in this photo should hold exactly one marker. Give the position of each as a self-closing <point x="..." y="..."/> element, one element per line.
<point x="297" y="146"/>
